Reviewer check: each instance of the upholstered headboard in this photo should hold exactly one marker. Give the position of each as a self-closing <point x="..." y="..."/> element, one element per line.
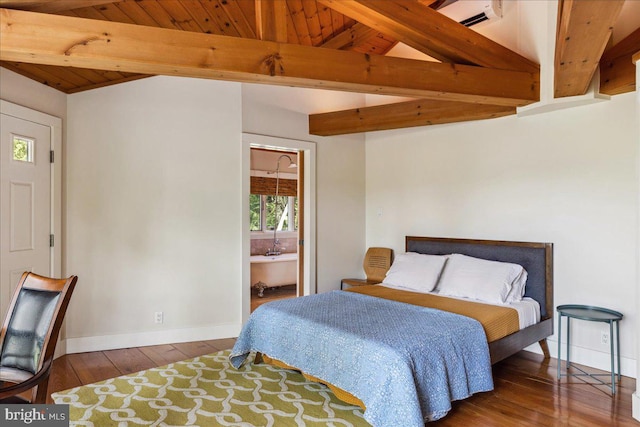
<point x="536" y="258"/>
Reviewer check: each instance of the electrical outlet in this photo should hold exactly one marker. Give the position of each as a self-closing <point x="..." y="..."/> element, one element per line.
<point x="158" y="317"/>
<point x="604" y="338"/>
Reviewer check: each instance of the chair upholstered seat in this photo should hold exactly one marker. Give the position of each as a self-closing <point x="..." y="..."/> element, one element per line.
<point x="14" y="375"/>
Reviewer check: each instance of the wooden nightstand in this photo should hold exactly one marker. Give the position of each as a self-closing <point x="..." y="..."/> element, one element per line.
<point x="357" y="282"/>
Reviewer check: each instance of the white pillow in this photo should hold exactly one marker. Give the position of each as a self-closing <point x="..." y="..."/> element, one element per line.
<point x="517" y="288"/>
<point x="480" y="279"/>
<point x="413" y="271"/>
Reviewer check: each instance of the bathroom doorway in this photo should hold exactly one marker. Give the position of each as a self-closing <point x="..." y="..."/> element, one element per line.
<point x="279" y="237"/>
<point x="274" y="220"/>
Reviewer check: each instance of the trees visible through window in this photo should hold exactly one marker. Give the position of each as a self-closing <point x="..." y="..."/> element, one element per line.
<point x="263" y="215"/>
<point x="255" y="212"/>
<point x="22" y="149"/>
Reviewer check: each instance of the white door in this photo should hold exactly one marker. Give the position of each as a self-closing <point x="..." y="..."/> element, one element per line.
<point x="25" y="202"/>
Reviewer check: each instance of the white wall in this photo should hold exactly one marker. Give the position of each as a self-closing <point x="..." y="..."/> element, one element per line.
<point x="31" y="94"/>
<point x="567" y="177"/>
<point x="154" y="224"/>
<point x="153" y="212"/>
<point x="283" y="112"/>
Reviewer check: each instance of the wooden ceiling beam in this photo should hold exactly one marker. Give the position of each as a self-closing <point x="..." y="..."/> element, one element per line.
<point x="584" y="29"/>
<point x="85" y="43"/>
<point x="420" y="112"/>
<point x="432" y="33"/>
<point x="271" y="20"/>
<point x="51" y="6"/>
<point x="617" y="72"/>
<point x="430" y="3"/>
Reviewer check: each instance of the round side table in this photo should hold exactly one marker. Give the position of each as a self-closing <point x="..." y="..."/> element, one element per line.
<point x="590" y="314"/>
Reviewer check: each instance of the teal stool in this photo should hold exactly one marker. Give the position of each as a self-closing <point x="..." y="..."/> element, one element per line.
<point x="590" y="314"/>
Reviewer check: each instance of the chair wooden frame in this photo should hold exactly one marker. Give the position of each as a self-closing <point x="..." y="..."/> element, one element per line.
<point x="376" y="264"/>
<point x="15" y="381"/>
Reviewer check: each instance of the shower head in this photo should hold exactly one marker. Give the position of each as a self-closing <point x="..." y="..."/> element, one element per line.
<point x="292" y="164"/>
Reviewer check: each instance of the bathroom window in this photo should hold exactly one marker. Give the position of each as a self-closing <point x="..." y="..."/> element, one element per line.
<point x="263" y="215"/>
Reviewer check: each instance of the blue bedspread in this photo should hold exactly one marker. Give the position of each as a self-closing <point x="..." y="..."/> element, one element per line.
<point x="406" y="363"/>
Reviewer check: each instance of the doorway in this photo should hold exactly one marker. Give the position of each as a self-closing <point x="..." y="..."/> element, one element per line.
<point x="275" y="218"/>
<point x="30" y="196"/>
<point x="280" y="227"/>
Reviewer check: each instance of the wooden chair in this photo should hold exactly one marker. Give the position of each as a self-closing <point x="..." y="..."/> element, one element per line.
<point x="376" y="264"/>
<point x="29" y="336"/>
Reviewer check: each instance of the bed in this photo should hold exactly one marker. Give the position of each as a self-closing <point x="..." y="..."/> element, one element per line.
<point x="537" y="260"/>
<point x="405" y="363"/>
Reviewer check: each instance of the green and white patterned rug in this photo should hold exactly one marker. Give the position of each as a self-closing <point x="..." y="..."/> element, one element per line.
<point x="208" y="391"/>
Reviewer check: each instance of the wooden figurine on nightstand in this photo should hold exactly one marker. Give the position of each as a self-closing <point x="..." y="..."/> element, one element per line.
<point x="376" y="264"/>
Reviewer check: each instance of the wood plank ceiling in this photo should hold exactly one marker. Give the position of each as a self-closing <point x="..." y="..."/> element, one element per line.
<point x="77" y="45"/>
<point x="307" y="24"/>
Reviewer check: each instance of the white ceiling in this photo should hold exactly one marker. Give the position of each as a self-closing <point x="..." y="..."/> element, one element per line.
<point x="267" y="160"/>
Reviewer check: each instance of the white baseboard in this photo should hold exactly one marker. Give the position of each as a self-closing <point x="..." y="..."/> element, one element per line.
<point x="589" y="357"/>
<point x="635" y="405"/>
<point x="141" y="339"/>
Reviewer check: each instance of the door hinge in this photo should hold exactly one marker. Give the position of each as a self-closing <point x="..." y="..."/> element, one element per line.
<point x="51" y="240"/>
<point x="51" y="156"/>
<point x="301" y="242"/>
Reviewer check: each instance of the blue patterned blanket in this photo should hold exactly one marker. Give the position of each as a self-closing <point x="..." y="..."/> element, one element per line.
<point x="406" y="363"/>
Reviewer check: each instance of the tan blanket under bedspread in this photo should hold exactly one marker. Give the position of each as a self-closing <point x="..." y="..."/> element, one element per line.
<point x="498" y="322"/>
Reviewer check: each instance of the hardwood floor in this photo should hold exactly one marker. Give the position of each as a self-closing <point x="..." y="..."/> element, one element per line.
<point x="73" y="370"/>
<point x="272" y="294"/>
<point x="526" y="392"/>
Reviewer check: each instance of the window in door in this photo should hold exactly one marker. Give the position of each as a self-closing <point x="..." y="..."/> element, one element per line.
<point x="22" y="148"/>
